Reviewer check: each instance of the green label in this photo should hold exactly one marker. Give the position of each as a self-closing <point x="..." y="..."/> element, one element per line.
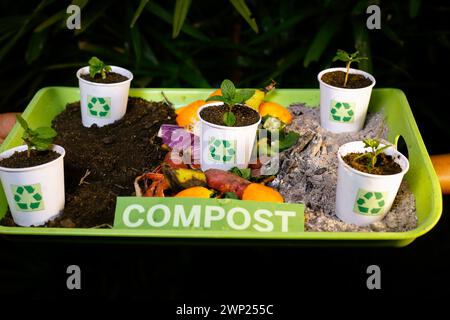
<point x="189" y="214"/>
<point x="369" y="203"/>
<point x="99" y="107"/>
<point x="221" y="150"/>
<point x="28" y="197"/>
<point x="342" y="111"/>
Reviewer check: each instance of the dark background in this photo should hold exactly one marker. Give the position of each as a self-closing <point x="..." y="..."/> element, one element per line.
<point x="295" y="41"/>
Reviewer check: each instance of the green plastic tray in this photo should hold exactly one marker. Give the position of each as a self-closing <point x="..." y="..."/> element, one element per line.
<point x="422" y="179"/>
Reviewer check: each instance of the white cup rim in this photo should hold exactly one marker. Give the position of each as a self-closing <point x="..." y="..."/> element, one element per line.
<point x="353" y="71"/>
<point x="24" y="147"/>
<point x="360" y="144"/>
<point x="124" y="72"/>
<point x="218" y="126"/>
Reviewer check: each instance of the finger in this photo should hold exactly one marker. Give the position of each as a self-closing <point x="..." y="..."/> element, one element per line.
<point x="7" y="121"/>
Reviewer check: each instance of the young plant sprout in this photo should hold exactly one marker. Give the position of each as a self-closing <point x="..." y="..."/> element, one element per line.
<point x="230" y="96"/>
<point x="372" y="156"/>
<point x="40" y="138"/>
<point x="342" y="55"/>
<point x="97" y="66"/>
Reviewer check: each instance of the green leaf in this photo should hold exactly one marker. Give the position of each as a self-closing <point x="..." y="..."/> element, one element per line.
<point x="57" y="17"/>
<point x="35" y="46"/>
<point x="41" y="144"/>
<point x="243" y="95"/>
<point x="22" y="122"/>
<point x="321" y="40"/>
<point x="288" y="140"/>
<point x="181" y="10"/>
<point x="341" y="55"/>
<point x="228" y="89"/>
<point x="45" y="132"/>
<point x="138" y="12"/>
<point x="97" y="66"/>
<point x="216" y="98"/>
<point x="230" y="195"/>
<point x="414" y="7"/>
<point x="229" y="119"/>
<point x="245" y="12"/>
<point x="243" y="173"/>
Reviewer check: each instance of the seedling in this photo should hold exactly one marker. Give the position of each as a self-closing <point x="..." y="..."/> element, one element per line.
<point x="342" y="55"/>
<point x="40" y="138"/>
<point x="374" y="145"/>
<point x="230" y="96"/>
<point x="97" y="66"/>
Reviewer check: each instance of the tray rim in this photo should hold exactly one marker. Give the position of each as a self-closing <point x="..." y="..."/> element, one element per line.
<point x="429" y="222"/>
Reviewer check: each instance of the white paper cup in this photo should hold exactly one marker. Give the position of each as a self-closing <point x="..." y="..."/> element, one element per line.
<point x="363" y="198"/>
<point x="223" y="147"/>
<point x="343" y="110"/>
<point x="103" y="103"/>
<point x="34" y="194"/>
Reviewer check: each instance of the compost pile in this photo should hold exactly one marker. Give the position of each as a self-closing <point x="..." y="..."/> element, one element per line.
<point x="102" y="163"/>
<point x="308" y="173"/>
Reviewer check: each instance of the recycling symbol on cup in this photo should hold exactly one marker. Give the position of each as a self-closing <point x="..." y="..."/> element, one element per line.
<point x="369" y="202"/>
<point x="222" y="150"/>
<point x="28" y="197"/>
<point x="99" y="107"/>
<point x="342" y="111"/>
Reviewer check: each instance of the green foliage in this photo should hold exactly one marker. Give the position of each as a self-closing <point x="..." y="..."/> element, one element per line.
<point x="97" y="66"/>
<point x="372" y="155"/>
<point x="230" y="96"/>
<point x="243" y="173"/>
<point x="40" y="138"/>
<point x="348" y="58"/>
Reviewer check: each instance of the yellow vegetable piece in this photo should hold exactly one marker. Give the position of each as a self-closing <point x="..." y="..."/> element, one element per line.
<point x="260" y="192"/>
<point x="195" y="192"/>
<point x="256" y="99"/>
<point x="275" y="110"/>
<point x="186" y="175"/>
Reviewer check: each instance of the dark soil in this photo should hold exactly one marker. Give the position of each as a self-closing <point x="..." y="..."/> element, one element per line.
<point x="21" y="159"/>
<point x="385" y="164"/>
<point x="337" y="78"/>
<point x="110" y="158"/>
<point x="245" y="116"/>
<point x="111" y="77"/>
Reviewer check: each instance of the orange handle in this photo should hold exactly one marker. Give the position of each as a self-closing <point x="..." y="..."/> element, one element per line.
<point x="441" y="164"/>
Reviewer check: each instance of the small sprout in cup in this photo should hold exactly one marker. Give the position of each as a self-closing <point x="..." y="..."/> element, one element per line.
<point x="342" y="55"/>
<point x="97" y="66"/>
<point x="40" y="138"/>
<point x="372" y="155"/>
<point x="231" y="97"/>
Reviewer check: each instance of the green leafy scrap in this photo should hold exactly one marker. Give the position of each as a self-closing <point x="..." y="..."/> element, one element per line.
<point x="40" y="138"/>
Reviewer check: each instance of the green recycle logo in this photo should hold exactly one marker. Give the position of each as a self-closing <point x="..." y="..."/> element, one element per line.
<point x="222" y="150"/>
<point x="342" y="111"/>
<point x="369" y="202"/>
<point x="99" y="107"/>
<point x="28" y="197"/>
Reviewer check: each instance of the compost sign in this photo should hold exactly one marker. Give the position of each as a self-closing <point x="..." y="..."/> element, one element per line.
<point x="206" y="215"/>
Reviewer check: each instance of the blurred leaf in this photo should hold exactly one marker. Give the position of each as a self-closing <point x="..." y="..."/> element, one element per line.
<point x="392" y="35"/>
<point x="285" y="25"/>
<point x="245" y="12"/>
<point x="59" y="16"/>
<point x="321" y="40"/>
<point x="91" y="15"/>
<point x="288" y="61"/>
<point x="138" y="12"/>
<point x="35" y="46"/>
<point x="362" y="44"/>
<point x="414" y="7"/>
<point x="137" y="46"/>
<point x="163" y="14"/>
<point x="181" y="10"/>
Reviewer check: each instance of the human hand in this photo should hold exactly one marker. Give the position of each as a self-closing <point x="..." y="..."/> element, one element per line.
<point x="7" y="121"/>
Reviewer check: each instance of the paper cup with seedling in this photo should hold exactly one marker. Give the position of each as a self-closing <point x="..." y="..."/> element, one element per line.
<point x="35" y="194"/>
<point x="343" y="104"/>
<point x="103" y="98"/>
<point x="363" y="197"/>
<point x="224" y="145"/>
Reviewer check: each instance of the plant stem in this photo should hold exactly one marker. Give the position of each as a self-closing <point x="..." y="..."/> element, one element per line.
<point x="346" y="74"/>
<point x="29" y="152"/>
